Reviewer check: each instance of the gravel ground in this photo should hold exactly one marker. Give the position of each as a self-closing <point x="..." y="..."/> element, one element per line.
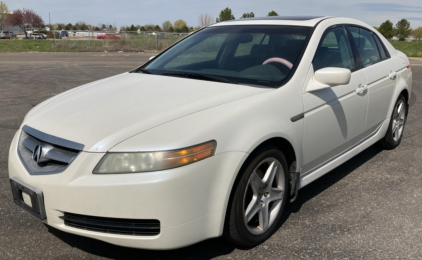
<point x="368" y="208"/>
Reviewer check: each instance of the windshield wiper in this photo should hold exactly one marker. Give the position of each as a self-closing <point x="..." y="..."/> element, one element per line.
<point x="144" y="71"/>
<point x="199" y="76"/>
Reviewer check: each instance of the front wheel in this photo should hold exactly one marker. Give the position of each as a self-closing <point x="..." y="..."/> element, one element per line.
<point x="394" y="133"/>
<point x="259" y="198"/>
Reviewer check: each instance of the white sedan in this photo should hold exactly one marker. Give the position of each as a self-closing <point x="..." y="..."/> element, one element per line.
<point x="215" y="135"/>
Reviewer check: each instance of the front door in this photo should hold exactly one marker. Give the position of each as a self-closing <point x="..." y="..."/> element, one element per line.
<point x="334" y="117"/>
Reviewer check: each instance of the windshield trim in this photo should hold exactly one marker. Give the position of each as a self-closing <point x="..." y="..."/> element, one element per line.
<point x="283" y="82"/>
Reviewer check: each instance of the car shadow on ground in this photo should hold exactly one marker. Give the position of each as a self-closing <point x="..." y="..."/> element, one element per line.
<point x="218" y="246"/>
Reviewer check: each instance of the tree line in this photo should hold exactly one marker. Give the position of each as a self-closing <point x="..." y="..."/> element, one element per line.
<point x="402" y="30"/>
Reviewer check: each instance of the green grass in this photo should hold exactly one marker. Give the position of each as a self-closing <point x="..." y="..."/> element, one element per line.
<point x="411" y="49"/>
<point x="129" y="44"/>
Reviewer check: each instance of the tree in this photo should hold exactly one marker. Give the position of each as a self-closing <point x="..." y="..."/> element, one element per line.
<point x="376" y="28"/>
<point x="205" y="20"/>
<point x="166" y="26"/>
<point x="25" y="19"/>
<point x="225" y="15"/>
<point x="179" y="24"/>
<point x="142" y="29"/>
<point x="248" y="15"/>
<point x="417" y="33"/>
<point x="403" y="29"/>
<point x="272" y="13"/>
<point x="157" y="28"/>
<point x="132" y="28"/>
<point x="4" y="11"/>
<point x="171" y="29"/>
<point x="184" y="29"/>
<point x="75" y="28"/>
<point x="97" y="28"/>
<point x="386" y="29"/>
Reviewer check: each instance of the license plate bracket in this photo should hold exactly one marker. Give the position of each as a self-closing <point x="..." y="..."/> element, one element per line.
<point x="21" y="190"/>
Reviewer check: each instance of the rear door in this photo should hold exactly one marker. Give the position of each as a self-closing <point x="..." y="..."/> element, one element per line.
<point x="380" y="72"/>
<point x="334" y="117"/>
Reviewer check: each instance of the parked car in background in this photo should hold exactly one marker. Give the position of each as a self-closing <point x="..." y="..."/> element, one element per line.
<point x="39" y="36"/>
<point x="4" y="35"/>
<point x="213" y="136"/>
<point x="63" y="34"/>
<point x="108" y="36"/>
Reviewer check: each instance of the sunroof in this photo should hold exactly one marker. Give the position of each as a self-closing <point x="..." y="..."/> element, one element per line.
<point x="291" y="18"/>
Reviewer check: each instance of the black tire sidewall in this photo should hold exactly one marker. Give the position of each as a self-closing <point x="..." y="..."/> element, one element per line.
<point x="242" y="235"/>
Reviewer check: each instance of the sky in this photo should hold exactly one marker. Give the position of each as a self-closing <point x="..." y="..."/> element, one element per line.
<point x="125" y="12"/>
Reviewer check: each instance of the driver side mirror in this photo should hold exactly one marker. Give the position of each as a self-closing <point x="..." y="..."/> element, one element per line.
<point x="329" y="77"/>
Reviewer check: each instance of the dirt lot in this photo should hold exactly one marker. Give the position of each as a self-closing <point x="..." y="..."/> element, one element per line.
<point x="368" y="208"/>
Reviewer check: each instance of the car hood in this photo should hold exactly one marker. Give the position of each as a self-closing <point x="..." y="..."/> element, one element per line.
<point x="102" y="114"/>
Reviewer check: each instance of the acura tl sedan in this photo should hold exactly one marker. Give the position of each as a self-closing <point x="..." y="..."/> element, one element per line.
<point x="214" y="136"/>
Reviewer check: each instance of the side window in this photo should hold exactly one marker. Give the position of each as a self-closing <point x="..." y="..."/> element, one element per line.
<point x="334" y="51"/>
<point x="381" y="48"/>
<point x="365" y="43"/>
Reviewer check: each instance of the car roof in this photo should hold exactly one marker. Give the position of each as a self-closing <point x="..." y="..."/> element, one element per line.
<point x="276" y="20"/>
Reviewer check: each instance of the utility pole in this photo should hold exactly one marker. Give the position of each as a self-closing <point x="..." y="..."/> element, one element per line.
<point x="51" y="29"/>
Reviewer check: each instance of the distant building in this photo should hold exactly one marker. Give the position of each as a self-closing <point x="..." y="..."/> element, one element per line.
<point x="15" y="29"/>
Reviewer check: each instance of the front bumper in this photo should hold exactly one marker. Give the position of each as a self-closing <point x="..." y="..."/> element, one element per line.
<point x="189" y="201"/>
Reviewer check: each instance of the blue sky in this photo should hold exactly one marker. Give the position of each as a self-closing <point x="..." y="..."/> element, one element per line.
<point x="124" y="12"/>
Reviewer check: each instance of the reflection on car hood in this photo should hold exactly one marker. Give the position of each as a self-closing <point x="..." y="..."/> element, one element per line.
<point x="107" y="112"/>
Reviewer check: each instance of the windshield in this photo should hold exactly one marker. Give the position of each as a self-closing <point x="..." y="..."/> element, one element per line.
<point x="264" y="55"/>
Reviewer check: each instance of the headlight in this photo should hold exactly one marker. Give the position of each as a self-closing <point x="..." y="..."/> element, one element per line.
<point x="154" y="161"/>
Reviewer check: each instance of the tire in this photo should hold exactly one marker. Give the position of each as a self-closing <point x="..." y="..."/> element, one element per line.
<point x="258" y="198"/>
<point x="395" y="130"/>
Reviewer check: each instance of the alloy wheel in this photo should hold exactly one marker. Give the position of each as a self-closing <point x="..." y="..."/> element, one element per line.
<point x="263" y="196"/>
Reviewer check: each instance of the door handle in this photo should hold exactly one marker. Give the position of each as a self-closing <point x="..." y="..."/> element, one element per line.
<point x="361" y="88"/>
<point x="393" y="75"/>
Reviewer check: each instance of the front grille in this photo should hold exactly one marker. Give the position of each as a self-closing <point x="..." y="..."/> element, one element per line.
<point x="56" y="154"/>
<point x="136" y="227"/>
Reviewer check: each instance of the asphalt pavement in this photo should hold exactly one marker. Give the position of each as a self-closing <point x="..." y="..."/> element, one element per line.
<point x="368" y="208"/>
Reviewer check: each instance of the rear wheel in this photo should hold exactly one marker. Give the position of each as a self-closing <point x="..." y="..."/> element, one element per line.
<point x="259" y="198"/>
<point x="394" y="134"/>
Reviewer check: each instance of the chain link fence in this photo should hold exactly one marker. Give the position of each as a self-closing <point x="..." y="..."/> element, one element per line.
<point x="112" y="42"/>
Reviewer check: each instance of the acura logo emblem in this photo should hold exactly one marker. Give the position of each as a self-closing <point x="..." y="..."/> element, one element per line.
<point x="36" y="155"/>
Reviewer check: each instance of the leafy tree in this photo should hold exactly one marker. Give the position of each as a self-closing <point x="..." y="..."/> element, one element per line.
<point x="184" y="29"/>
<point x="225" y="15"/>
<point x="166" y="26"/>
<point x="110" y="27"/>
<point x="272" y="13"/>
<point x="248" y="15"/>
<point x="386" y="29"/>
<point x="132" y="28"/>
<point x="142" y="29"/>
<point x="403" y="29"/>
<point x="157" y="28"/>
<point x="25" y="19"/>
<point x="171" y="29"/>
<point x="75" y="28"/>
<point x="4" y="11"/>
<point x="60" y="27"/>
<point x="68" y="26"/>
<point x="103" y="26"/>
<point x="417" y="33"/>
<point x="376" y="28"/>
<point x="179" y="24"/>
<point x="97" y="28"/>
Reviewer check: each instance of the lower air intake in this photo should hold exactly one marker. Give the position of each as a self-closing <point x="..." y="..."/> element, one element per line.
<point x="136" y="227"/>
